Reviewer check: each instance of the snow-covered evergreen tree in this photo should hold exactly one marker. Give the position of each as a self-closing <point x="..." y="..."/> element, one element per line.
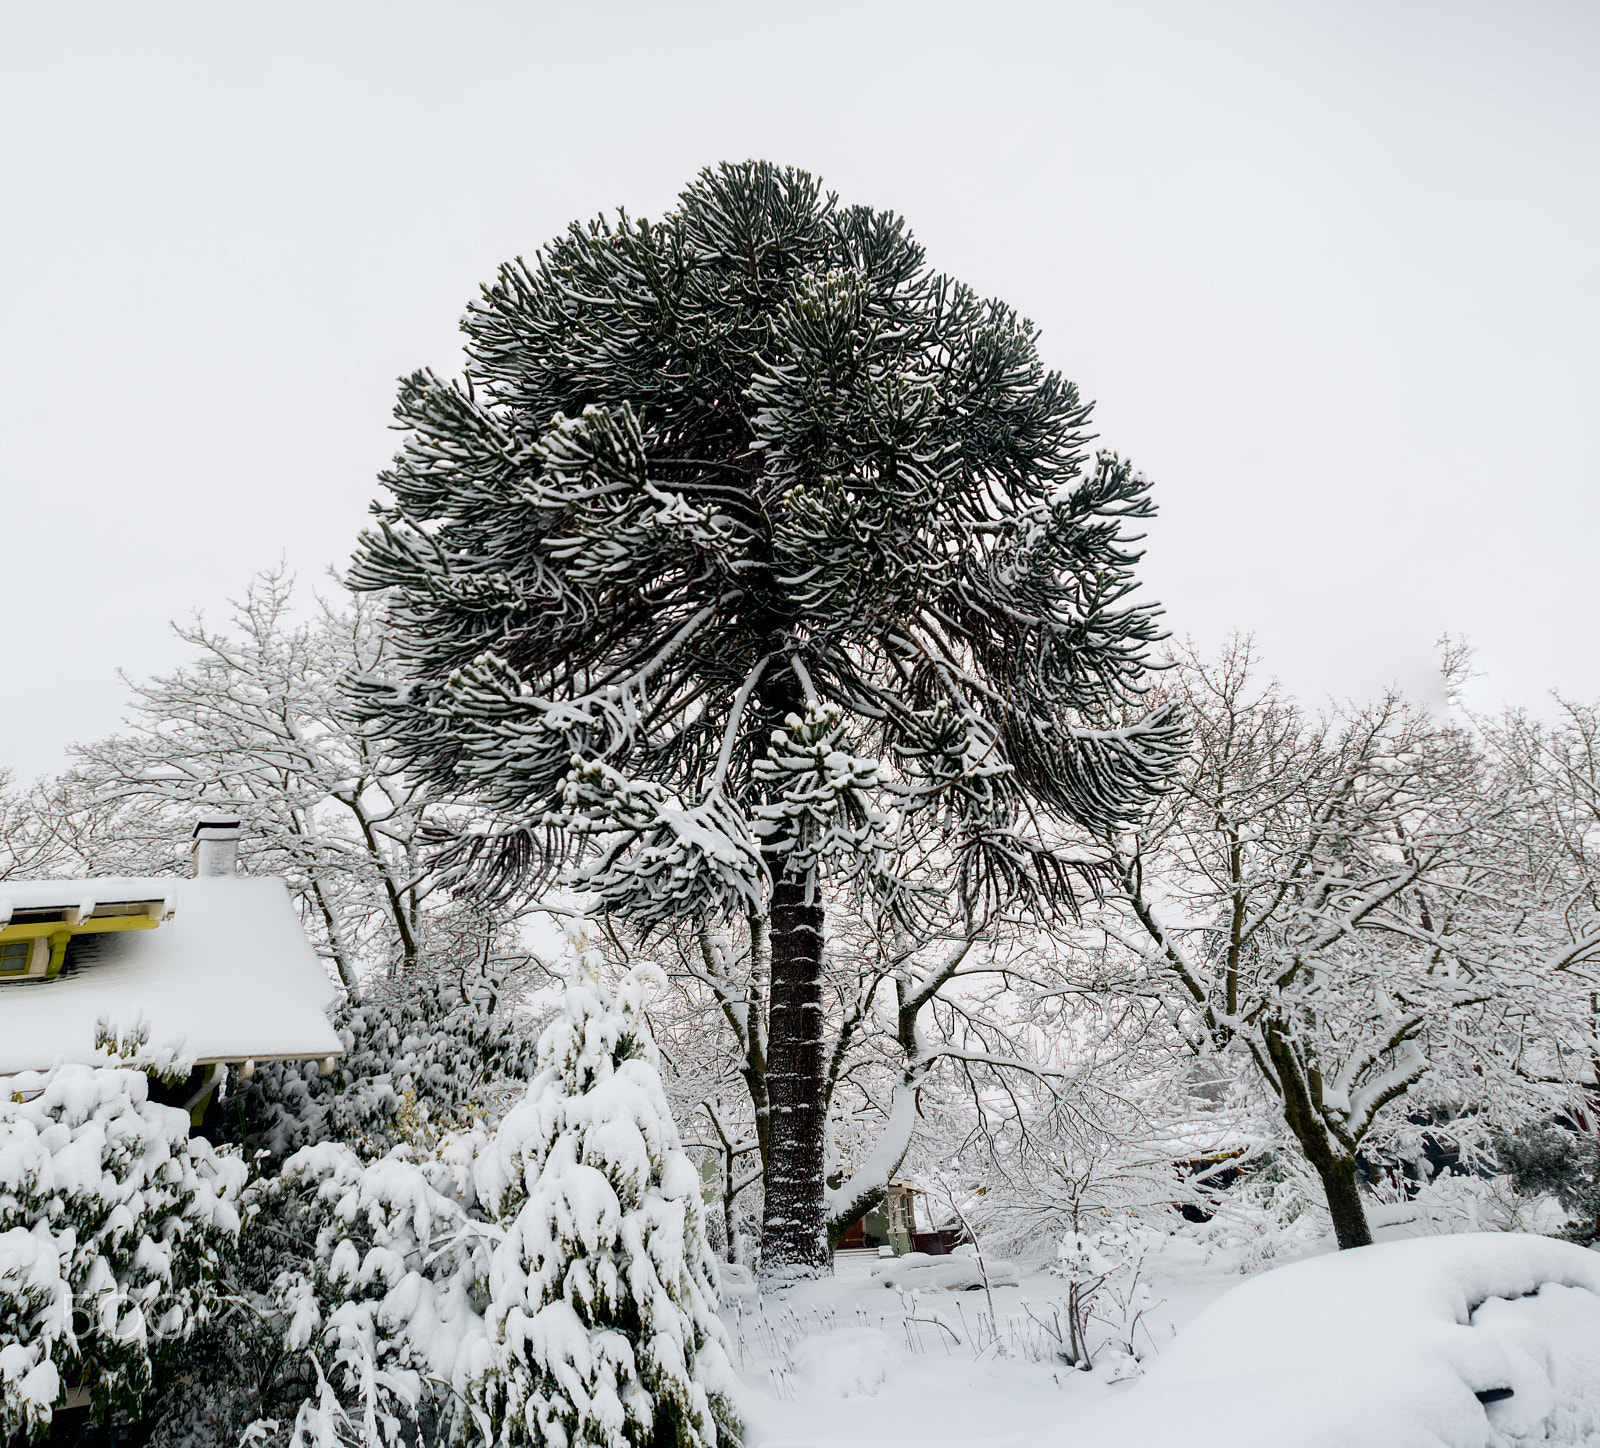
<point x="752" y="556"/>
<point x="356" y="1297"/>
<point x="602" y="1323"/>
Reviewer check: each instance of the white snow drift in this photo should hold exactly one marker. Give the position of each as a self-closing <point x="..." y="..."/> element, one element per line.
<point x="1384" y="1347"/>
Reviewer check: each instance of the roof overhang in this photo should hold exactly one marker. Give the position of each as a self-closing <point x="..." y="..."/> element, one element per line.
<point x="219" y="969"/>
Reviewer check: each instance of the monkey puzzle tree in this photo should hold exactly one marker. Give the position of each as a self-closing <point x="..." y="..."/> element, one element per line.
<point x="754" y="562"/>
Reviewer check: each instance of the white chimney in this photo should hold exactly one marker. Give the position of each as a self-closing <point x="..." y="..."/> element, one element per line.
<point x="216" y="846"/>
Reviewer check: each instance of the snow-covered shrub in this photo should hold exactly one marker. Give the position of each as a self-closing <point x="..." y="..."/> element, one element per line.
<point x="372" y="1212"/>
<point x="114" y="1226"/>
<point x="548" y="1283"/>
<point x="602" y="1324"/>
<point x="420" y="1059"/>
<point x="385" y="1317"/>
<point x="1105" y="1278"/>
<point x="1272" y="1211"/>
<point x="355" y="1307"/>
<point x="1455" y="1203"/>
<point x="1564" y="1164"/>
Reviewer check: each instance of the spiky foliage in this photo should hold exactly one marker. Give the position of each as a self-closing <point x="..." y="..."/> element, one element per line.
<point x="753" y="558"/>
<point x="756" y="451"/>
<point x="420" y="1059"/>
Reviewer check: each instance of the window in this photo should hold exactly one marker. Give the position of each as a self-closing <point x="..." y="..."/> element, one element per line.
<point x="14" y="956"/>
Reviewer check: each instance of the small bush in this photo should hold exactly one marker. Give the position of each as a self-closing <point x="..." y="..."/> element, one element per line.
<point x="420" y="1061"/>
<point x="114" y="1229"/>
<point x="1547" y="1159"/>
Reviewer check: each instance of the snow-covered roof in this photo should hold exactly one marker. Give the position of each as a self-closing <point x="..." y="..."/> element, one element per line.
<point x="230" y="974"/>
<point x="82" y="896"/>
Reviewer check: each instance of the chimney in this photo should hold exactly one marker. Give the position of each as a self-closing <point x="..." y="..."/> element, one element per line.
<point x="216" y="846"/>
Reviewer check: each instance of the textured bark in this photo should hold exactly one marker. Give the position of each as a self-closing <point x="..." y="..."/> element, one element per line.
<point x="754" y="1069"/>
<point x="794" y="1241"/>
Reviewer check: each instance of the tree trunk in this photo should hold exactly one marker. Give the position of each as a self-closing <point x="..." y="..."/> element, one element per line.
<point x="754" y="1069"/>
<point x="336" y="942"/>
<point x="1338" y="1175"/>
<point x="1335" y="1165"/>
<point x="794" y="1240"/>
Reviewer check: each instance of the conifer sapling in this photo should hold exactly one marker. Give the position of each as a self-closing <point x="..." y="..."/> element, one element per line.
<point x="602" y="1321"/>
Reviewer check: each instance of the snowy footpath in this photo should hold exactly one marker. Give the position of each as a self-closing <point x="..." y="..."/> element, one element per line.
<point x="1470" y="1341"/>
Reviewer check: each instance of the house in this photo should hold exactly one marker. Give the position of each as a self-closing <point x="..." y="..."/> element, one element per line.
<point x="217" y="965"/>
<point x="893" y="1224"/>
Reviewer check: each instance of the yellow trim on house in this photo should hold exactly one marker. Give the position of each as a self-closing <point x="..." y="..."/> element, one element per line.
<point x="60" y="932"/>
<point x="95" y="925"/>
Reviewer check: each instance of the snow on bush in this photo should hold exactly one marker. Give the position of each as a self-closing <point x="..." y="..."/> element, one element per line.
<point x="602" y="1323"/>
<point x="113" y="1227"/>
<point x="1452" y="1203"/>
<point x="548" y="1283"/>
<point x="1104" y="1273"/>
<point x="418" y="1061"/>
<point x="383" y="1316"/>
<point x="359" y="1283"/>
<point x="1565" y="1164"/>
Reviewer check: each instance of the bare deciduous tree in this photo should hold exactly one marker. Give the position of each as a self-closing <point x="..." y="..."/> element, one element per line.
<point x="1343" y="900"/>
<point x="256" y="725"/>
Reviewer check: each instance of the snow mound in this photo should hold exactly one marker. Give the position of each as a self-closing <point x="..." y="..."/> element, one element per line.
<point x="1382" y="1347"/>
<point x="851" y="1362"/>
<point x="951" y="1274"/>
<point x="735" y="1283"/>
<point x="1552" y="1341"/>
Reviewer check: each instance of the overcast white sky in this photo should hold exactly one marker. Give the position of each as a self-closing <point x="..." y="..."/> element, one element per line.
<point x="1331" y="271"/>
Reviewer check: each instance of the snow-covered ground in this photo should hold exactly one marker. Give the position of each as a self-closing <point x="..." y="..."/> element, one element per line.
<point x="1385" y="1348"/>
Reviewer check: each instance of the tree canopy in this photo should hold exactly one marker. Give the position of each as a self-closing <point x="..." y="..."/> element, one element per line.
<point x="756" y="440"/>
<point x="752" y="553"/>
